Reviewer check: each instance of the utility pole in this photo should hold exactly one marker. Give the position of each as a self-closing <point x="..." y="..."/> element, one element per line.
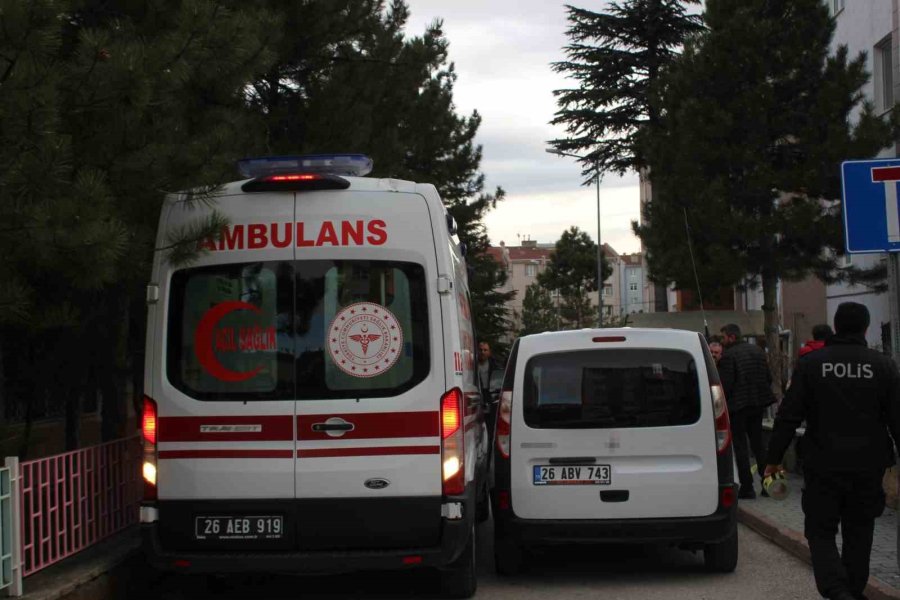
<point x="599" y="238"/>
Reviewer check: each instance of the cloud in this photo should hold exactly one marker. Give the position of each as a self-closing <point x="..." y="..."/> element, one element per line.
<point x="543" y="217"/>
<point x="503" y="53"/>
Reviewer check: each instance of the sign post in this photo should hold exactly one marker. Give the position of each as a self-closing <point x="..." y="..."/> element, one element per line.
<point x="872" y="222"/>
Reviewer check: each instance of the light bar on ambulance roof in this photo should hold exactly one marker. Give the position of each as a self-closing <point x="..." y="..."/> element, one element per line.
<point x="352" y="165"/>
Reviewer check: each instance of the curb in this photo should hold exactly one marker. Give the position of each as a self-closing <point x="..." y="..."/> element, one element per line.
<point x="795" y="543"/>
<point x="63" y="579"/>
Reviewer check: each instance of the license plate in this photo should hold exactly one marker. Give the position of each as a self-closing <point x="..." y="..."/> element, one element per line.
<point x="266" y="527"/>
<point x="572" y="475"/>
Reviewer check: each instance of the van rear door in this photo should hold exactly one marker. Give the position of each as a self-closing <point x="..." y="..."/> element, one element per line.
<point x="369" y="350"/>
<point x="613" y="432"/>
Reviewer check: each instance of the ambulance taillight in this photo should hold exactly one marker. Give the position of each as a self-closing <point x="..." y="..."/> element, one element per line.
<point x="453" y="443"/>
<point x="149" y="431"/>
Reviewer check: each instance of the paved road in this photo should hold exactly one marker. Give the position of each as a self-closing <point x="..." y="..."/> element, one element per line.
<point x="765" y="572"/>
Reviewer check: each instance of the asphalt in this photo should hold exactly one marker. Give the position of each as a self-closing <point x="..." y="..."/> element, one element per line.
<point x="765" y="572"/>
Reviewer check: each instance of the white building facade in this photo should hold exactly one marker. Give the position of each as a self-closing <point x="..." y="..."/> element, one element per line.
<point x="869" y="27"/>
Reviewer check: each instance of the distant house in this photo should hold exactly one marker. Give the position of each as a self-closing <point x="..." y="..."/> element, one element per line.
<point x="524" y="263"/>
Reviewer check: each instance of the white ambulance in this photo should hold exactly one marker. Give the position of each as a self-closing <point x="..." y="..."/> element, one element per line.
<point x="311" y="402"/>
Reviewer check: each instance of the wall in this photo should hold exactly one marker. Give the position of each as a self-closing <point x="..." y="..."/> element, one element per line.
<point x="860" y="26"/>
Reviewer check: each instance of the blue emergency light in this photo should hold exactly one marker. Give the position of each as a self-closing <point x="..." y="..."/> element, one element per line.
<point x="353" y="165"/>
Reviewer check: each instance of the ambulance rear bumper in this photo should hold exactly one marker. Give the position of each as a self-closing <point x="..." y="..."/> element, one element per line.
<point x="453" y="538"/>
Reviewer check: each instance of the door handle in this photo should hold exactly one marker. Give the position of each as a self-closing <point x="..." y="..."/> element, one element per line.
<point x="573" y="460"/>
<point x="332" y="427"/>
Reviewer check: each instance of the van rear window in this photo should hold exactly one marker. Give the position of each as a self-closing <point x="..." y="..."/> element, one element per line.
<point x="298" y="329"/>
<point x="606" y="389"/>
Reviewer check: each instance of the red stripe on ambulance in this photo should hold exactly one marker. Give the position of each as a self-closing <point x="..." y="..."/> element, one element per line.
<point x="374" y="425"/>
<point x="248" y="453"/>
<point x="368" y="451"/>
<point x="269" y="428"/>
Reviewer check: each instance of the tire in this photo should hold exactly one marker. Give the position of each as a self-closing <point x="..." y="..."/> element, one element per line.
<point x="723" y="556"/>
<point x="508" y="556"/>
<point x="483" y="506"/>
<point x="459" y="578"/>
<point x="217" y="584"/>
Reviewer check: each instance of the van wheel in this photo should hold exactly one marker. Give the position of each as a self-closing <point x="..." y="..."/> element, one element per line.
<point x="458" y="579"/>
<point x="723" y="556"/>
<point x="508" y="556"/>
<point x="483" y="506"/>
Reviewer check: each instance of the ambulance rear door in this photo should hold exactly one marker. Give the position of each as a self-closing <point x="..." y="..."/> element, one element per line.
<point x="369" y="369"/>
<point x="225" y="390"/>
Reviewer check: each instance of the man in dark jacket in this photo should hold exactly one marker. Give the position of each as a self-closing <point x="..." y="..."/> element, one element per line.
<point x="747" y="383"/>
<point x="849" y="397"/>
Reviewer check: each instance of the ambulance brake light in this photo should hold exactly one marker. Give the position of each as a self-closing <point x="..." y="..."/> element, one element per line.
<point x="352" y="165"/>
<point x="148" y="421"/>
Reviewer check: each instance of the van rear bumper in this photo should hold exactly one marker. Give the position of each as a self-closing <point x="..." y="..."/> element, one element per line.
<point x="682" y="531"/>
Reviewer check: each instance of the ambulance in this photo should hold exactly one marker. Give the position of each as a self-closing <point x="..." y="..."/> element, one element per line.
<point x="311" y="401"/>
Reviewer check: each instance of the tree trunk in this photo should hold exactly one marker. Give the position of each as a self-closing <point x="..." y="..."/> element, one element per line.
<point x="114" y="372"/>
<point x="26" y="434"/>
<point x="73" y="418"/>
<point x="773" y="342"/>
<point x="2" y="386"/>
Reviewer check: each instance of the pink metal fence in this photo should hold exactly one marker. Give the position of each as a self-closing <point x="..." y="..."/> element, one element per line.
<point x="73" y="500"/>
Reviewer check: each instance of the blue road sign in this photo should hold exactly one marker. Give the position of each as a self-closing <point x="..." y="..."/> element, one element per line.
<point x="871" y="215"/>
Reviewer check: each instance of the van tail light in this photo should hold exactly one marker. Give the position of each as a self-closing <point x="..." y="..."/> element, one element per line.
<point x="453" y="443"/>
<point x="728" y="497"/>
<point x="504" y="422"/>
<point x="723" y="425"/>
<point x="149" y="431"/>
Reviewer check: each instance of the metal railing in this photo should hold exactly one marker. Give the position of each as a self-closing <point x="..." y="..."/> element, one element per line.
<point x="10" y="566"/>
<point x="73" y="500"/>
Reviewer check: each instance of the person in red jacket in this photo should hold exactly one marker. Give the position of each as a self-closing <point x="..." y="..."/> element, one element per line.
<point x="820" y="333"/>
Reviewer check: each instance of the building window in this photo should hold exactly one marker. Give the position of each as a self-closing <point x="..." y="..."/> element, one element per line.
<point x="632" y="275"/>
<point x="836" y="6"/>
<point x="884" y="75"/>
<point x="633" y="286"/>
<point x="530" y="270"/>
<point x="607" y="290"/>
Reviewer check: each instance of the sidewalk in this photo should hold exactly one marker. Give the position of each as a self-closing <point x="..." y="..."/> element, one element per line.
<point x="81" y="576"/>
<point x="782" y="522"/>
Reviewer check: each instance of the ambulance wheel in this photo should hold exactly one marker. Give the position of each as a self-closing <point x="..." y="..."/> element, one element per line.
<point x="483" y="506"/>
<point x="458" y="579"/>
<point x="723" y="556"/>
<point x="217" y="584"/>
<point x="508" y="556"/>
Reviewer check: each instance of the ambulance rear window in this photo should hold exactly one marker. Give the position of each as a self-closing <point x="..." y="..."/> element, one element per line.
<point x="298" y="330"/>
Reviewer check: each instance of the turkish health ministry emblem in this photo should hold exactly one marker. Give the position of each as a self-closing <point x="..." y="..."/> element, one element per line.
<point x="365" y="339"/>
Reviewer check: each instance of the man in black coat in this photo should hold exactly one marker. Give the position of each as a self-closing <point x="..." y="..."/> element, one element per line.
<point x="849" y="397"/>
<point x="747" y="383"/>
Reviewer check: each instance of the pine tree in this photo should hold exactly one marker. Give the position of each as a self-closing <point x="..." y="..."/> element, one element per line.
<point x="539" y="314"/>
<point x="370" y="89"/>
<point x="615" y="57"/>
<point x="105" y="107"/>
<point x="573" y="272"/>
<point x="755" y="123"/>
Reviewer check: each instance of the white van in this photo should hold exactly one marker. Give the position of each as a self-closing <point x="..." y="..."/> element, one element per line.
<point x="613" y="435"/>
<point x="310" y="402"/>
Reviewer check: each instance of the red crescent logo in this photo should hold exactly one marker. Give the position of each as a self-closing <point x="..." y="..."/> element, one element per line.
<point x="203" y="342"/>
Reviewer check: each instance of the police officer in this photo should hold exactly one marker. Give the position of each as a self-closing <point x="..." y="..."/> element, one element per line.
<point x="849" y="397"/>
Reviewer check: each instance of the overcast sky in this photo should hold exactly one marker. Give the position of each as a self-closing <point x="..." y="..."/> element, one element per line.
<point x="502" y="52"/>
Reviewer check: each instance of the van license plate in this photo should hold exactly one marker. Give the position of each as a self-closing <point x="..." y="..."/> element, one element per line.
<point x="572" y="475"/>
<point x="267" y="527"/>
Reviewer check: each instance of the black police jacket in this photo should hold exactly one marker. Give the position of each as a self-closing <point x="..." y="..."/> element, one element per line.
<point x="849" y="397"/>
